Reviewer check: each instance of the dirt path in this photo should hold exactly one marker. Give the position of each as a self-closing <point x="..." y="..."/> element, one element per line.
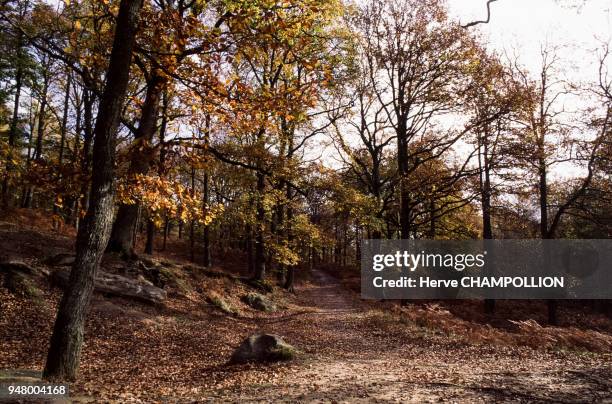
<point x="353" y="354"/>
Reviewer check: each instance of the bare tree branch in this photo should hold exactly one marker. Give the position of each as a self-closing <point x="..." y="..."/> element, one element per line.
<point x="471" y="24"/>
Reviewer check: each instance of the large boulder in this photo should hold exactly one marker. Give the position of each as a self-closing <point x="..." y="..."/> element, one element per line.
<point x="263" y="348"/>
<point x="259" y="302"/>
<point x="118" y="285"/>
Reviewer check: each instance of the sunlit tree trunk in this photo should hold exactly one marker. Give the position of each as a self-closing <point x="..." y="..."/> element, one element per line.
<point x="67" y="338"/>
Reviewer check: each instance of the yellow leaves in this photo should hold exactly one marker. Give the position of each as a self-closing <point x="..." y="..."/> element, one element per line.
<point x="162" y="196"/>
<point x="284" y="255"/>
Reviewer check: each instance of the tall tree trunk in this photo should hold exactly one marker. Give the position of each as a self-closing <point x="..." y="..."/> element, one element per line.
<point x="122" y="238"/>
<point x="403" y="166"/>
<point x="193" y="222"/>
<point x="13" y="129"/>
<point x="249" y="250"/>
<point x="166" y="229"/>
<point x="151" y="228"/>
<point x="485" y="188"/>
<point x="544" y="230"/>
<point x="41" y="115"/>
<point x="88" y="104"/>
<point x="63" y="127"/>
<point x="290" y="278"/>
<point x="73" y="217"/>
<point x="32" y="123"/>
<point x="432" y="218"/>
<point x="67" y="338"/>
<point x="40" y="133"/>
<point x="206" y="260"/>
<point x="64" y="120"/>
<point x="260" y="256"/>
<point x="282" y="228"/>
<point x="150" y="236"/>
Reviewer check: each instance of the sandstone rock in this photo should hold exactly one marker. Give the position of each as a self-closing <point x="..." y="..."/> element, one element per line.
<point x="259" y="302"/>
<point x="263" y="348"/>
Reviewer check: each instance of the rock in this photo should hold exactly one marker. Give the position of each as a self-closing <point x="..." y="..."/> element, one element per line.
<point x="20" y="284"/>
<point x="144" y="280"/>
<point x="60" y="260"/>
<point x="14" y="266"/>
<point x="259" y="302"/>
<point x="263" y="348"/>
<point x="19" y="278"/>
<point x="221" y="304"/>
<point x="118" y="285"/>
<point x="151" y="271"/>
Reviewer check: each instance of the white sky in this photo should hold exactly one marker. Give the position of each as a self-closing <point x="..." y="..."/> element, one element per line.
<point x="524" y="25"/>
<point x="521" y="27"/>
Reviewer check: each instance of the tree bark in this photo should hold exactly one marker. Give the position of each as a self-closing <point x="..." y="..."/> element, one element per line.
<point x="403" y="168"/>
<point x="290" y="277"/>
<point x="41" y="115"/>
<point x="63" y="127"/>
<point x="67" y="339"/>
<point x="122" y="236"/>
<point x="150" y="236"/>
<point x="13" y="129"/>
<point x="40" y="132"/>
<point x="166" y="229"/>
<point x="88" y="103"/>
<point x="206" y="260"/>
<point x="192" y="222"/>
<point x="64" y="120"/>
<point x="260" y="258"/>
<point x="485" y="189"/>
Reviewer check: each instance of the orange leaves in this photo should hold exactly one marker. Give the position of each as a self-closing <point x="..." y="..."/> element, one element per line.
<point x="164" y="196"/>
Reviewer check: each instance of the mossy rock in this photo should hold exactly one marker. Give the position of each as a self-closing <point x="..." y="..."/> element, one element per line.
<point x="263" y="348"/>
<point x="259" y="302"/>
<point x="172" y="278"/>
<point x="222" y="305"/>
<point x="20" y="285"/>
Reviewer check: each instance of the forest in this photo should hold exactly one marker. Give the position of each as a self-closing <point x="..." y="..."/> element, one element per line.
<point x="179" y="175"/>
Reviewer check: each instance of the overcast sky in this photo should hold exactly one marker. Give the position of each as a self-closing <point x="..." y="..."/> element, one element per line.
<point x="525" y="24"/>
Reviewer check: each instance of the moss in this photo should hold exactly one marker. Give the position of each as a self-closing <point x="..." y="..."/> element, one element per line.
<point x="21" y="285"/>
<point x="259" y="302"/>
<point x="284" y="353"/>
<point x="222" y="305"/>
<point x="172" y="278"/>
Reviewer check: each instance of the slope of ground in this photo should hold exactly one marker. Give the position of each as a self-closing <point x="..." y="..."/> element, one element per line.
<point x="351" y="351"/>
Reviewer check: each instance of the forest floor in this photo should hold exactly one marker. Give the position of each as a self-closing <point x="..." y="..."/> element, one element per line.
<point x="349" y="350"/>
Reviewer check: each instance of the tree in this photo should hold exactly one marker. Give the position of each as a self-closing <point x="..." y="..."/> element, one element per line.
<point x="67" y="339"/>
<point x="168" y="29"/>
<point x="420" y="56"/>
<point x="547" y="141"/>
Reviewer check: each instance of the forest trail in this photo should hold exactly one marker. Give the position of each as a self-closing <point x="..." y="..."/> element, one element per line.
<point x="348" y="359"/>
<point x="352" y="351"/>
